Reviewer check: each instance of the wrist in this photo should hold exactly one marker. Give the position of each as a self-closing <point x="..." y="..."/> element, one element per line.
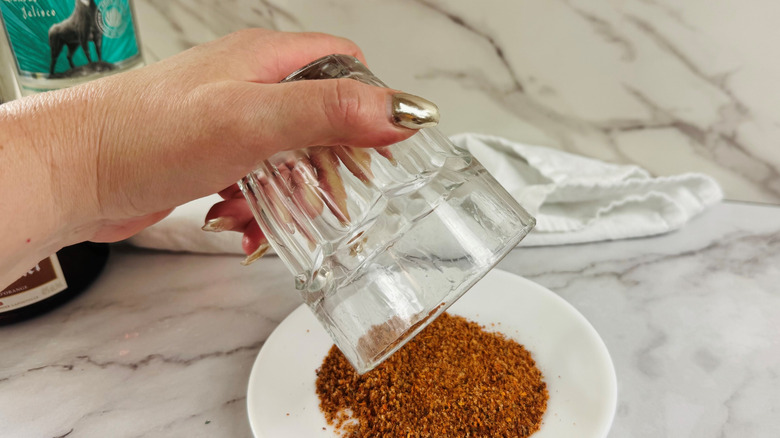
<point x="71" y="143"/>
<point x="43" y="182"/>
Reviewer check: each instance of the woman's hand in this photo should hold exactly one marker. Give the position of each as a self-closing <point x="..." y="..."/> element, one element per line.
<point x="106" y="159"/>
<point x="318" y="163"/>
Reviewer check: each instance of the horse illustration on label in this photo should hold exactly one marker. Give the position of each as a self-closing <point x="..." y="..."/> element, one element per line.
<point x="78" y="30"/>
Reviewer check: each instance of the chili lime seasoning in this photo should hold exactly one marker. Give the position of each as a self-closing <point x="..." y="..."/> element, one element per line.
<point x="454" y="379"/>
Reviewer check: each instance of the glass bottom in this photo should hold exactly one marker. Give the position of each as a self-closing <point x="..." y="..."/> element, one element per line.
<point x="380" y="291"/>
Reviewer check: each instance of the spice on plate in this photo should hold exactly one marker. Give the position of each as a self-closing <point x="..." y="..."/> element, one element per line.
<point x="453" y="380"/>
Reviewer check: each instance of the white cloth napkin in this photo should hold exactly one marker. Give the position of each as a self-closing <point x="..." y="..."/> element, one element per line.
<point x="574" y="199"/>
<point x="180" y="231"/>
<point x="577" y="199"/>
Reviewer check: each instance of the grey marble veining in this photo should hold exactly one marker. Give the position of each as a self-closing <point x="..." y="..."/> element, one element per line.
<point x="692" y="321"/>
<point x="160" y="345"/>
<point x="671" y="86"/>
<point x="163" y="344"/>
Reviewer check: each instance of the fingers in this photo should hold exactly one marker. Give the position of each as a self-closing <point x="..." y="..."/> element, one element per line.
<point x="304" y="181"/>
<point x="387" y="153"/>
<point x="259" y="117"/>
<point x="266" y="56"/>
<point x="298" y="50"/>
<point x="234" y="215"/>
<point x="231" y="192"/>
<point x="254" y="243"/>
<point x="229" y="215"/>
<point x="326" y="162"/>
<point x="263" y="119"/>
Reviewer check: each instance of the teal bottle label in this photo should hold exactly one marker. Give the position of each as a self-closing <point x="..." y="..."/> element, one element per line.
<point x="57" y="39"/>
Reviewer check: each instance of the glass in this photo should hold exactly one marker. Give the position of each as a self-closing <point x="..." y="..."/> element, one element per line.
<point x="381" y="241"/>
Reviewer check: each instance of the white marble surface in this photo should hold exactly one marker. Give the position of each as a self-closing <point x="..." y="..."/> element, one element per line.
<point x="673" y="86"/>
<point x="163" y="344"/>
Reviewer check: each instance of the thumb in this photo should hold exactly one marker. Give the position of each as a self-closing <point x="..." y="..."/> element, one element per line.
<point x="276" y="117"/>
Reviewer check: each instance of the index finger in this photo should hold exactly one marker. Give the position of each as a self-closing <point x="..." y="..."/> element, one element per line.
<point x="231" y="192"/>
<point x="277" y="54"/>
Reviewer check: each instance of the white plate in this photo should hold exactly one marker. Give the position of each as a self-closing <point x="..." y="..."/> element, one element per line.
<point x="580" y="378"/>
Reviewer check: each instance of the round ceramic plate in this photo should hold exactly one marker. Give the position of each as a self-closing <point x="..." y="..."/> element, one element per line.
<point x="580" y="378"/>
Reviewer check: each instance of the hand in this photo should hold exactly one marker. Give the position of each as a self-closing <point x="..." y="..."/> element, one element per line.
<point x="108" y="158"/>
<point x="316" y="166"/>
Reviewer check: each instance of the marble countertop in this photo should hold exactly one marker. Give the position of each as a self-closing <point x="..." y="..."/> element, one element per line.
<point x="671" y="86"/>
<point x="162" y="345"/>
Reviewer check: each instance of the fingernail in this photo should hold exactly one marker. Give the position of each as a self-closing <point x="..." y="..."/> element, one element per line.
<point x="413" y="112"/>
<point x="219" y="224"/>
<point x="259" y="252"/>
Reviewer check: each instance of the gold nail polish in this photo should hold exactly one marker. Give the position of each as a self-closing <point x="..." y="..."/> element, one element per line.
<point x="413" y="112"/>
<point x="219" y="224"/>
<point x="259" y="252"/>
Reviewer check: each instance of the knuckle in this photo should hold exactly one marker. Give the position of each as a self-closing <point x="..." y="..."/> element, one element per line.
<point x="343" y="43"/>
<point x="350" y="47"/>
<point x="208" y="103"/>
<point x="343" y="103"/>
<point x="248" y="35"/>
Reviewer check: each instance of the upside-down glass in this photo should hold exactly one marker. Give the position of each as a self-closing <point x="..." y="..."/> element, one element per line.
<point x="381" y="241"/>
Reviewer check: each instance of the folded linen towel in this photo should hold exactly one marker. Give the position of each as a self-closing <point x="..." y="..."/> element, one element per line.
<point x="181" y="231"/>
<point x="574" y="199"/>
<point x="577" y="199"/>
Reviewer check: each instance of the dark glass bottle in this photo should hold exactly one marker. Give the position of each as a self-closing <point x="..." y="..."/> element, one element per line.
<point x="53" y="282"/>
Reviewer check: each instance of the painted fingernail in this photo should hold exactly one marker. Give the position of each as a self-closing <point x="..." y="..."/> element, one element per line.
<point x="219" y="224"/>
<point x="259" y="252"/>
<point x="413" y="112"/>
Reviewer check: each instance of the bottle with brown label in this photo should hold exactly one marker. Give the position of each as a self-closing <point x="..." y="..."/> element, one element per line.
<point x="53" y="281"/>
<point x="47" y="45"/>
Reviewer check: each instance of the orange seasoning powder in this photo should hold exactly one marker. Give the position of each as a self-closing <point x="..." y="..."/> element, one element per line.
<point x="454" y="379"/>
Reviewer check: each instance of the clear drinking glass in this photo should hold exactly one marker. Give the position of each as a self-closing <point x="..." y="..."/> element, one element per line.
<point x="381" y="241"/>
